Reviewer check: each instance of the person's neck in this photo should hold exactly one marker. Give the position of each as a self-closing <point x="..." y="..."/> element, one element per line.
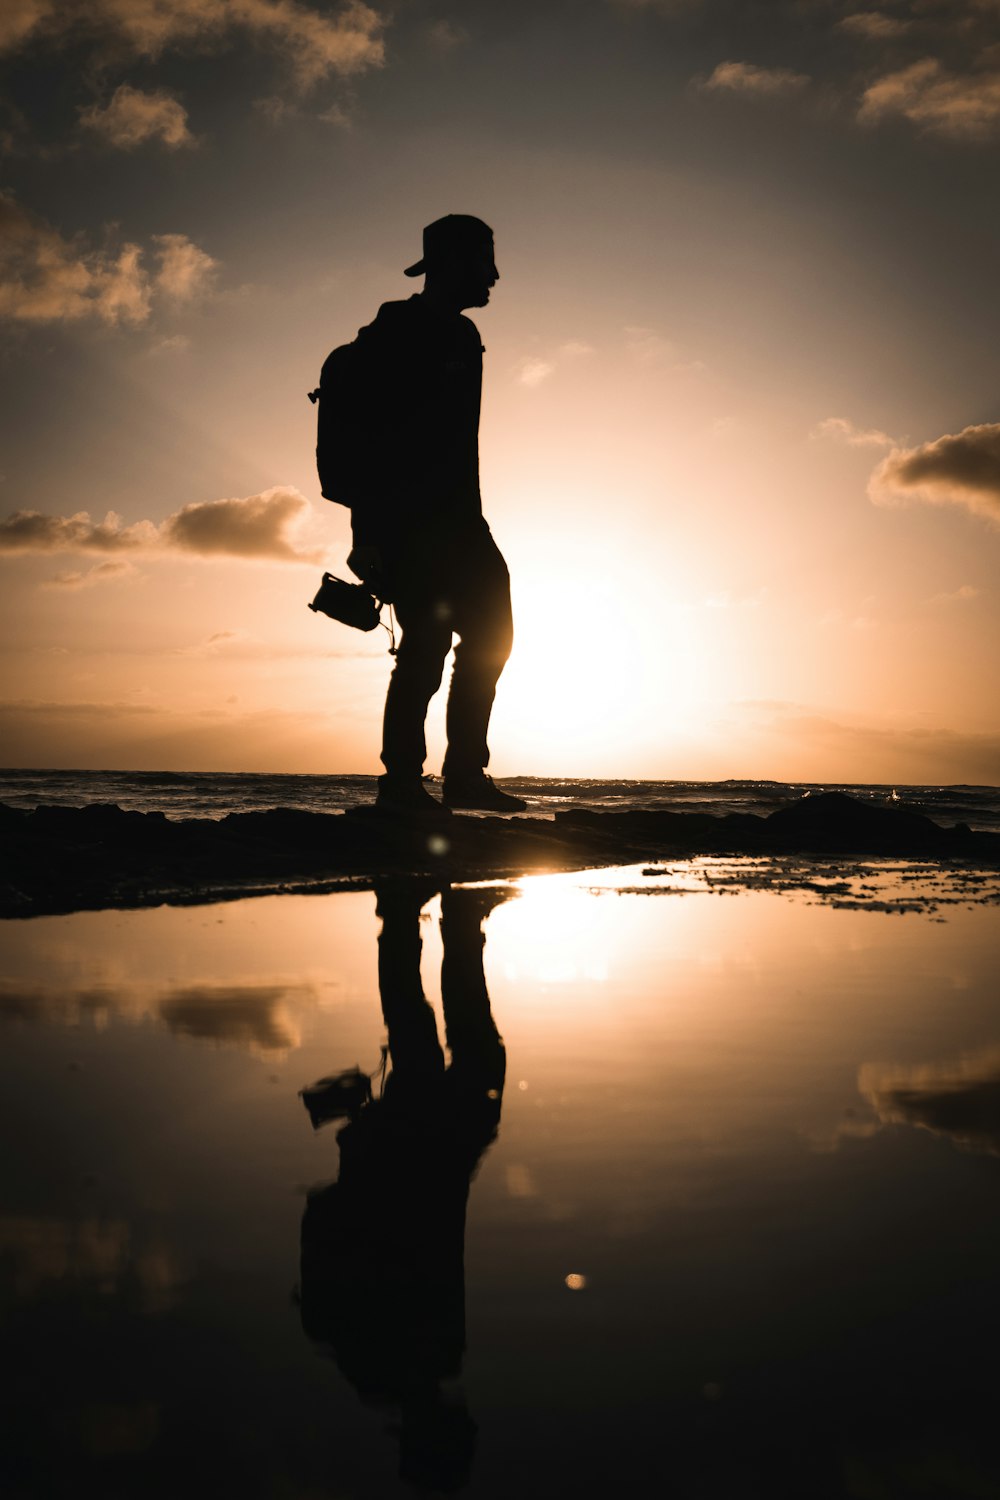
<point x="441" y="299"/>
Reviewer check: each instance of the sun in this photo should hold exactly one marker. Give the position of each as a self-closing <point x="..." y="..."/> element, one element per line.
<point x="601" y="664"/>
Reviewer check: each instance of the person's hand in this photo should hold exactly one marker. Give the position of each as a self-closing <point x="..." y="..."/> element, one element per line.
<point x="365" y="562"/>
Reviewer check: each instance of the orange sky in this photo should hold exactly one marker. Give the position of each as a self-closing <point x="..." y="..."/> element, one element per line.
<point x="739" y="437"/>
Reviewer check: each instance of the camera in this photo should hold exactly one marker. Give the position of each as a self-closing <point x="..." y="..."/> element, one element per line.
<point x="350" y="603"/>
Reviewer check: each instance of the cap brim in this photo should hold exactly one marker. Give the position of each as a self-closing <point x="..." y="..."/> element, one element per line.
<point x="415" y="270"/>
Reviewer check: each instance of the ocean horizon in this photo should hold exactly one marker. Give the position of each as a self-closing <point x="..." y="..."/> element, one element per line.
<point x="216" y="794"/>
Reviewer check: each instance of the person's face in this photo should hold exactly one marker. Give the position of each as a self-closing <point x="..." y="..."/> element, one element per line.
<point x="474" y="277"/>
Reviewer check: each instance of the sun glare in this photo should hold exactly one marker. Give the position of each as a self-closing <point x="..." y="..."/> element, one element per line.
<point x="597" y="663"/>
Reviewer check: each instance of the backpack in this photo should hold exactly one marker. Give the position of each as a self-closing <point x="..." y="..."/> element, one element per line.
<point x="338" y="435"/>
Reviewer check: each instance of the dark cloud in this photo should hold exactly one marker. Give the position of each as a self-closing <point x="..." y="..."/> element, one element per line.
<point x="957" y="469"/>
<point x="874" y="25"/>
<point x="959" y="1100"/>
<point x="964" y="106"/>
<point x="248" y="1016"/>
<point x="132" y="117"/>
<point x="748" y="78"/>
<point x="47" y="278"/>
<point x="315" y="42"/>
<point x="259" y="527"/>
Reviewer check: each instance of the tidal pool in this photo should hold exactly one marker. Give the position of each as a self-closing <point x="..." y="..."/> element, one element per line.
<point x="718" y="1216"/>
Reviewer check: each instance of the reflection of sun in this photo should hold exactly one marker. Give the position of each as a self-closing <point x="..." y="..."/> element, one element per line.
<point x="600" y="665"/>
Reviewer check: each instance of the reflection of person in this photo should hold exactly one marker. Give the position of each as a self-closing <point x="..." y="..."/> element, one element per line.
<point x="420" y="539"/>
<point x="383" y="1272"/>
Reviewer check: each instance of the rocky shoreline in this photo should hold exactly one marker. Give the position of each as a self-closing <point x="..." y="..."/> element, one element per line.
<point x="62" y="859"/>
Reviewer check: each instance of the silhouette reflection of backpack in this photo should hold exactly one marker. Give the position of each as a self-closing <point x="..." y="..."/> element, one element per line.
<point x="339" y="427"/>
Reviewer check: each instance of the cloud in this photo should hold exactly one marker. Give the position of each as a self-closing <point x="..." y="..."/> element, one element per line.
<point x="962" y="595"/>
<point x="843" y="431"/>
<point x="531" y="370"/>
<point x="46" y="278"/>
<point x="250" y="1016"/>
<point x="647" y="346"/>
<point x="185" y="270"/>
<point x="258" y="527"/>
<point x="314" y="42"/>
<point x="105" y="572"/>
<point x="962" y="106"/>
<point x="748" y="78"/>
<point x="19" y="18"/>
<point x="874" y="26"/>
<point x="959" y="1100"/>
<point x="963" y="469"/>
<point x="132" y="117"/>
<point x="444" y="37"/>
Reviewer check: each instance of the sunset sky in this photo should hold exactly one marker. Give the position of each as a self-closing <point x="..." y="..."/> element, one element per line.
<point x="740" y="439"/>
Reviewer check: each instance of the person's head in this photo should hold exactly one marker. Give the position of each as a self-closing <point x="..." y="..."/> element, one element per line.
<point x="458" y="261"/>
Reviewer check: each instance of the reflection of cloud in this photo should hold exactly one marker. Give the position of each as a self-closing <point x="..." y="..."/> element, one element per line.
<point x="315" y="42"/>
<point x="97" y="1251"/>
<point x="960" y="1100"/>
<point x="254" y="1016"/>
<point x="256" y="526"/>
<point x="748" y="78"/>
<point x="132" y="117"/>
<point x="45" y="278"/>
<point x="965" y="106"/>
<point x="957" y="469"/>
<point x="843" y="431"/>
<point x="248" y="1016"/>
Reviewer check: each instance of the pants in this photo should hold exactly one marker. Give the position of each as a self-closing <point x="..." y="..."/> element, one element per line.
<point x="462" y="588"/>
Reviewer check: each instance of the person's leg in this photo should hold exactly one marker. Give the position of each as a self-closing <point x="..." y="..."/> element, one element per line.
<point x="416" y="677"/>
<point x="482" y="618"/>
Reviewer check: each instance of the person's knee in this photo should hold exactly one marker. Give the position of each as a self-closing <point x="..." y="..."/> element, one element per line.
<point x="422" y="662"/>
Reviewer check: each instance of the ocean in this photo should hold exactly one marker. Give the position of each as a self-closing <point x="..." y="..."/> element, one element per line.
<point x="214" y="794"/>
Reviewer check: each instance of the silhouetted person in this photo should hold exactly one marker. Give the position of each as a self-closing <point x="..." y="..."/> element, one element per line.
<point x="383" y="1269"/>
<point x="420" y="539"/>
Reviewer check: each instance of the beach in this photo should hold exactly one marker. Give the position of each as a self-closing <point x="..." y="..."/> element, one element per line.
<point x="724" y="1220"/>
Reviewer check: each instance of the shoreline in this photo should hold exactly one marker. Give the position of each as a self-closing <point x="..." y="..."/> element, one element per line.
<point x="64" y="859"/>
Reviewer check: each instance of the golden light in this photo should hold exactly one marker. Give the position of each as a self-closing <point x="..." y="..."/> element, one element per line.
<point x="601" y="658"/>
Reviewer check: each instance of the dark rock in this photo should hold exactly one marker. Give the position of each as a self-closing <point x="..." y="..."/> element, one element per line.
<point x="66" y="858"/>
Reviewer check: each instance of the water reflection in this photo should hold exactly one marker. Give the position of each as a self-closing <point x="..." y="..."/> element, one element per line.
<point x="958" y="1100"/>
<point x="383" y="1247"/>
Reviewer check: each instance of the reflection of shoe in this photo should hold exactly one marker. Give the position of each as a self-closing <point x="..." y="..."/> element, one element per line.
<point x="481" y="794"/>
<point x="406" y="794"/>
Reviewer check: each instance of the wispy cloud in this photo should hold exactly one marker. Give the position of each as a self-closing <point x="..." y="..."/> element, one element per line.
<point x="874" y="25"/>
<point x="258" y="527"/>
<point x="748" y="78"/>
<point x="964" y="594"/>
<point x="533" y="369"/>
<point x="47" y="278"/>
<point x="131" y="117"/>
<point x="957" y="469"/>
<point x="111" y="571"/>
<point x="843" y="431"/>
<point x="964" y="106"/>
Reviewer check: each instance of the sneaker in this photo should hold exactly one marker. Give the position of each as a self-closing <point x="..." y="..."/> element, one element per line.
<point x="406" y="794"/>
<point x="480" y="793"/>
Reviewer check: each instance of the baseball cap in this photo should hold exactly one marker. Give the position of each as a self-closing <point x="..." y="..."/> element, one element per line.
<point x="452" y="235"/>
